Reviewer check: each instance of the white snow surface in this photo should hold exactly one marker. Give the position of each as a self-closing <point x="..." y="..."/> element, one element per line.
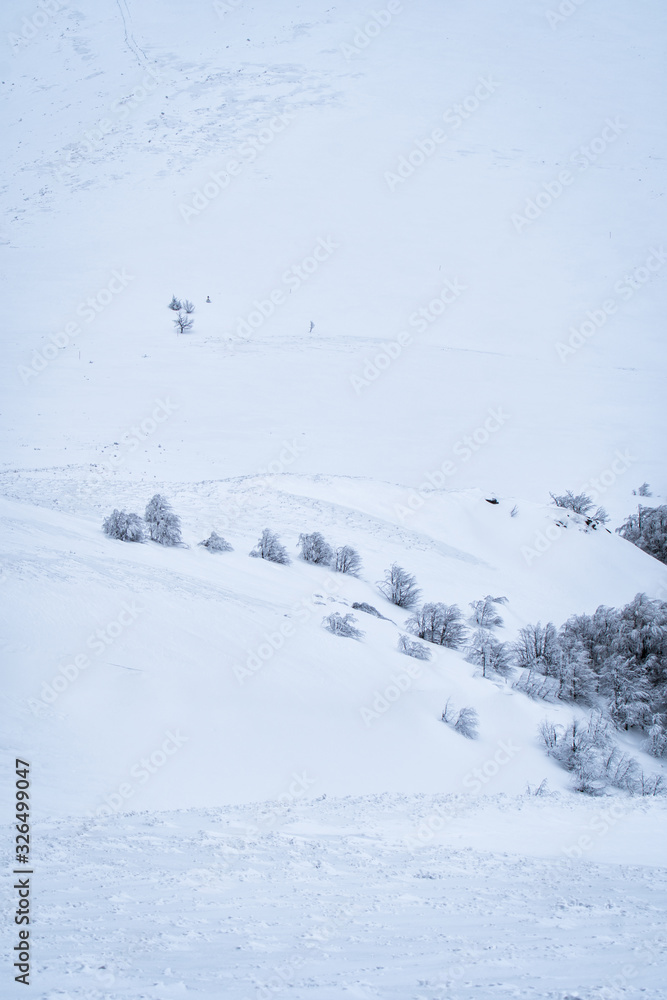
<point x="288" y="841"/>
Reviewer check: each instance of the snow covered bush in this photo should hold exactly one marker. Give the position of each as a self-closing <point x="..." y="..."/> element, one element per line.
<point x="183" y="310"/>
<point x="341" y="625"/>
<point x="412" y="648"/>
<point x="400" y="587"/>
<point x="467" y="723"/>
<point x="163" y="525"/>
<point x="643" y="491"/>
<point x="268" y="547"/>
<point x="369" y="610"/>
<point x="126" y="527"/>
<point x="484" y="614"/>
<point x="647" y="529"/>
<point x="441" y="624"/>
<point x="314" y="549"/>
<point x="580" y="504"/>
<point x="216" y="543"/>
<point x="586" y="748"/>
<point x="346" y="560"/>
<point x="464" y="722"/>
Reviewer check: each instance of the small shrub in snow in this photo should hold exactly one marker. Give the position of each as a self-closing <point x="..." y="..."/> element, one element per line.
<point x="163" y="525"/>
<point x="464" y="722"/>
<point x="341" y="625"/>
<point x="643" y="491"/>
<point x="314" y="549"/>
<point x="441" y="624"/>
<point x="346" y="560"/>
<point x="412" y="648"/>
<point x="400" y="587"/>
<point x="216" y="543"/>
<point x="126" y="527"/>
<point x="467" y="723"/>
<point x="268" y="547"/>
<point x="368" y="609"/>
<point x="580" y="504"/>
<point x="175" y="304"/>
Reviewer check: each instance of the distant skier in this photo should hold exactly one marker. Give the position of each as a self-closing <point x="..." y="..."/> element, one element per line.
<point x="312" y="326"/>
<point x="208" y="298"/>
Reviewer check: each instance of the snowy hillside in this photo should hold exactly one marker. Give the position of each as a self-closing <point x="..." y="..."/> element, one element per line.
<point x="425" y="246"/>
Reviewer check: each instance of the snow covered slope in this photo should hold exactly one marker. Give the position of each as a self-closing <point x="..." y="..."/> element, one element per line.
<point x="230" y="653"/>
<point x="118" y="113"/>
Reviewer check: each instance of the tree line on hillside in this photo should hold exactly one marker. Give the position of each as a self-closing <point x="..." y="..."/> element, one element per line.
<point x="613" y="661"/>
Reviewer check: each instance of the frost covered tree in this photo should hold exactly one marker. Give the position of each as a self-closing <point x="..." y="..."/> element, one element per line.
<point x="442" y="624"/>
<point x="175" y="304"/>
<point x="400" y="587"/>
<point x="656" y="742"/>
<point x="643" y="491"/>
<point x="163" y="525"/>
<point x="126" y="527"/>
<point x="580" y="503"/>
<point x="485" y="613"/>
<point x="216" y="543"/>
<point x="537" y="648"/>
<point x="486" y="652"/>
<point x="412" y="648"/>
<point x="647" y="529"/>
<point x="341" y="625"/>
<point x="577" y="682"/>
<point x="314" y="549"/>
<point x="268" y="547"/>
<point x="346" y="560"/>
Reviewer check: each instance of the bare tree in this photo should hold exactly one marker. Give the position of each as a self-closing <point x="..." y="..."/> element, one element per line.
<point x="183" y="323"/>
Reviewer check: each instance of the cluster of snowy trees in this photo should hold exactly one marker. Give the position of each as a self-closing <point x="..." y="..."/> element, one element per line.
<point x="648" y="530"/>
<point x="587" y="748"/>
<point x="159" y="523"/>
<point x="614" y="660"/>
<point x="183" y="320"/>
<point x="344" y="559"/>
